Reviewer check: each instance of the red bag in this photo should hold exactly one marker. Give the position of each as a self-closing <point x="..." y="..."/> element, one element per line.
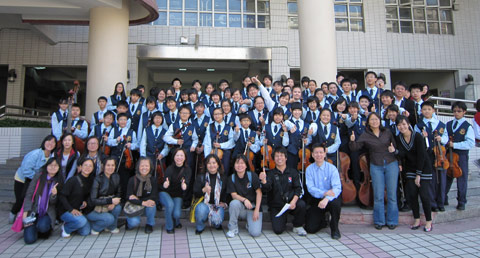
<point x="18" y="224"/>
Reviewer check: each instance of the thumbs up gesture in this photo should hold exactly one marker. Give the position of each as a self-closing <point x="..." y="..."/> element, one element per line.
<point x="373" y="108"/>
<point x="166" y="184"/>
<point x="391" y="148"/>
<point x="352" y="137"/>
<point x="184" y="185"/>
<point x="207" y="189"/>
<point x="53" y="191"/>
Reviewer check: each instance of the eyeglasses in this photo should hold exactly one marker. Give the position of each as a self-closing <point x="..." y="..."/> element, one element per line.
<point x="458" y="111"/>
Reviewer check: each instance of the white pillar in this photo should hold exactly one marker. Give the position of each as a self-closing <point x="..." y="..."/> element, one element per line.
<point x="318" y="50"/>
<point x="107" y="53"/>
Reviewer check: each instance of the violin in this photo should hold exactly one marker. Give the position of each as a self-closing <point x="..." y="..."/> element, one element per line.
<point x="128" y="155"/>
<point x="454" y="170"/>
<point x="441" y="160"/>
<point x="349" y="192"/>
<point x="249" y="154"/>
<point x="178" y="133"/>
<point x="159" y="168"/>
<point x="217" y="151"/>
<point x="304" y="155"/>
<point x="365" y="193"/>
<point x="105" y="148"/>
<point x="267" y="161"/>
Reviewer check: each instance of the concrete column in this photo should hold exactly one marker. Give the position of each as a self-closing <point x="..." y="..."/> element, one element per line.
<point x="107" y="52"/>
<point x="318" y="51"/>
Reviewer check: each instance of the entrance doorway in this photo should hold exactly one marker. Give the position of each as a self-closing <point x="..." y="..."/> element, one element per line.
<point x="3" y="84"/>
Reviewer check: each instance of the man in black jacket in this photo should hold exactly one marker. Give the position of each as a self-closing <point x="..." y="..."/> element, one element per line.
<point x="282" y="186"/>
<point x="399" y="89"/>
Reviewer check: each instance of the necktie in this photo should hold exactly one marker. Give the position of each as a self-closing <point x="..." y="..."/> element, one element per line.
<point x="297" y="124"/>
<point x="219" y="127"/>
<point x="246" y="135"/>
<point x="429" y="126"/>
<point x="314" y="117"/>
<point x="418" y="107"/>
<point x="226" y="118"/>
<point x="259" y="115"/>
<point x="133" y="109"/>
<point x="236" y="107"/>
<point x="118" y="97"/>
<point x="148" y="114"/>
<point x="371" y="92"/>
<point x="173" y="117"/>
<point x="104" y="130"/>
<point x="275" y="130"/>
<point x="455" y="125"/>
<point x="156" y="133"/>
<point x="348" y="99"/>
<point x="325" y="130"/>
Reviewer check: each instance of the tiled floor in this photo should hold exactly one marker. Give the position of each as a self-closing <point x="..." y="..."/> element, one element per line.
<point x="454" y="239"/>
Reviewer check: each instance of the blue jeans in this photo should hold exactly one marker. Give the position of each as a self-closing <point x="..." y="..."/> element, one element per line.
<point x="42" y="225"/>
<point x="75" y="223"/>
<point x="201" y="215"/>
<point x="105" y="220"/>
<point x="385" y="176"/>
<point x="173" y="209"/>
<point x="149" y="212"/>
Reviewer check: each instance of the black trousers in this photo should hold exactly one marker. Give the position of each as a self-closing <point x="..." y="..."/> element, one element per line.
<point x="20" y="190"/>
<point x="315" y="219"/>
<point x="280" y="224"/>
<point x="413" y="191"/>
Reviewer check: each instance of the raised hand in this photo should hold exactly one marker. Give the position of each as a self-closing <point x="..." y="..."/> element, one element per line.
<point x="391" y="148"/>
<point x="184" y="185"/>
<point x="207" y="188"/>
<point x="53" y="191"/>
<point x="352" y="137"/>
<point x="166" y="184"/>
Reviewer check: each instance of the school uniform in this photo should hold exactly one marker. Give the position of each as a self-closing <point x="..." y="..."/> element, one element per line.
<point x="145" y="121"/>
<point x="349" y="97"/>
<point x="136" y="111"/>
<point x="59" y="123"/>
<point x="392" y="126"/>
<point x="81" y="128"/>
<point x="357" y="127"/>
<point x="225" y="138"/>
<point x="171" y="117"/>
<point x="100" y="130"/>
<point x="331" y="98"/>
<point x="311" y="116"/>
<point x="275" y="136"/>
<point x="161" y="106"/>
<point x="97" y="116"/>
<point x="153" y="140"/>
<point x="212" y="107"/>
<point x="201" y="124"/>
<point x="463" y="140"/>
<point x="286" y="111"/>
<point x="206" y="100"/>
<point x="241" y="138"/>
<point x="296" y="139"/>
<point x="255" y="116"/>
<point x="324" y="104"/>
<point x="245" y="93"/>
<point x="306" y="93"/>
<point x="373" y="95"/>
<point x="113" y="100"/>
<point x="330" y="135"/>
<point x="189" y="136"/>
<point x="439" y="178"/>
<point x="231" y="119"/>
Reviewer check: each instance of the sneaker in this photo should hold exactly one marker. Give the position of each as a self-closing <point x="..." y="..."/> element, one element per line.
<point x="300" y="231"/>
<point x="11" y="218"/>
<point x="232" y="233"/>
<point x="93" y="232"/>
<point x="114" y="231"/>
<point x="64" y="234"/>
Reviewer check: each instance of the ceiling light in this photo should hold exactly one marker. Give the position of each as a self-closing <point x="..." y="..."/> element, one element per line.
<point x="40" y="68"/>
<point x="182" y="69"/>
<point x="210" y="70"/>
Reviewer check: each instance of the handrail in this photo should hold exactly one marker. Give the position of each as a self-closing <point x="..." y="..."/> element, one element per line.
<point x="25" y="112"/>
<point x="447" y="109"/>
<point x="451" y="99"/>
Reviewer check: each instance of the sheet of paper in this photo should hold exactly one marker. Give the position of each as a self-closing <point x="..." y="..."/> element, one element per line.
<point x="284" y="209"/>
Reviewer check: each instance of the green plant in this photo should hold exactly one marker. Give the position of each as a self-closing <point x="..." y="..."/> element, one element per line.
<point x="9" y="122"/>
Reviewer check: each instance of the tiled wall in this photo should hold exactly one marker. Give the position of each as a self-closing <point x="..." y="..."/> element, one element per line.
<point x="373" y="49"/>
<point x="17" y="142"/>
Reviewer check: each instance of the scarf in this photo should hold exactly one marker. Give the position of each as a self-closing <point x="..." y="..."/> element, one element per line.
<point x="43" y="199"/>
<point x="217" y="190"/>
<point x="147" y="184"/>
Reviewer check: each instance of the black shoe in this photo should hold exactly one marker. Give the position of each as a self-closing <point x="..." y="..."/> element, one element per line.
<point x="378" y="227"/>
<point x="405" y="208"/>
<point x="148" y="229"/>
<point x="336" y="235"/>
<point x="441" y="209"/>
<point x="434" y="209"/>
<point x="197" y="232"/>
<point x="445" y="203"/>
<point x="461" y="207"/>
<point x="219" y="227"/>
<point x="170" y="231"/>
<point x="391" y="227"/>
<point x="179" y="225"/>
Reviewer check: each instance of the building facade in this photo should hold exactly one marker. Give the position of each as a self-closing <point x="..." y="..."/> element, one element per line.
<point x="431" y="41"/>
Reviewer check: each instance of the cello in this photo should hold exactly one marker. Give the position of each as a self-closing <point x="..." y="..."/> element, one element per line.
<point x="304" y="155"/>
<point x="217" y="151"/>
<point x="454" y="170"/>
<point x="249" y="154"/>
<point x="105" y="148"/>
<point x="128" y="154"/>
<point x="365" y="193"/>
<point x="349" y="192"/>
<point x="79" y="143"/>
<point x="159" y="168"/>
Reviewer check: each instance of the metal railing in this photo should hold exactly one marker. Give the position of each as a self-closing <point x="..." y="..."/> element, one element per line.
<point x="24" y="112"/>
<point x="443" y="105"/>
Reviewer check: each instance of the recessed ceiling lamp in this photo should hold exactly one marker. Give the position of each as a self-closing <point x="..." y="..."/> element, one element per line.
<point x="210" y="70"/>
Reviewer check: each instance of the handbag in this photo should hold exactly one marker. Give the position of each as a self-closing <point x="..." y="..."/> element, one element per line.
<point x="133" y="210"/>
<point x="18" y="224"/>
<point x="103" y="208"/>
<point x="195" y="202"/>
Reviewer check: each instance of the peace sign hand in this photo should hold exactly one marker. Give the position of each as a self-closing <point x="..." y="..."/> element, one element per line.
<point x="53" y="191"/>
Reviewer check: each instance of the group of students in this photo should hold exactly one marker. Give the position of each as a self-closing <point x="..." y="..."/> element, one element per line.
<point x="181" y="147"/>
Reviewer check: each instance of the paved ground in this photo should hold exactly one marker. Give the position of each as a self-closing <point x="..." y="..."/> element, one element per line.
<point x="455" y="239"/>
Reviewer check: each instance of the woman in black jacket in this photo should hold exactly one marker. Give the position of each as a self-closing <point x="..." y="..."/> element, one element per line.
<point x="43" y="190"/>
<point x="73" y="198"/>
<point x="142" y="190"/>
<point x="105" y="197"/>
<point x="213" y="187"/>
<point x="173" y="189"/>
<point x="417" y="168"/>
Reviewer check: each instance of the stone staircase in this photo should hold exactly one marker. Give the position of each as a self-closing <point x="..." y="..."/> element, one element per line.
<point x="351" y="214"/>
